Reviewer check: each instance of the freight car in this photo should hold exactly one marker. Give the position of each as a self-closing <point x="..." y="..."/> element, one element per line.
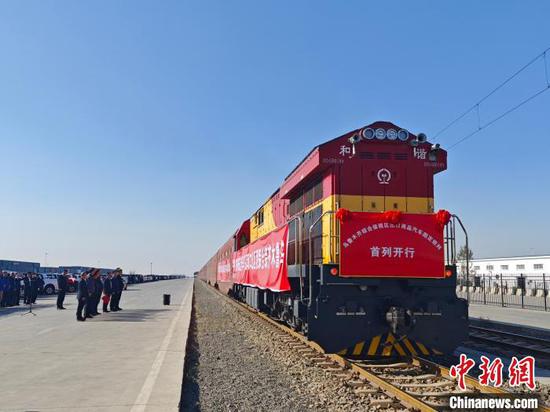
<point x="349" y="251"/>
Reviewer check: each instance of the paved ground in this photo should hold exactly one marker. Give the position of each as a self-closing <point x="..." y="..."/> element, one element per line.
<point x="125" y="361"/>
<point x="524" y="317"/>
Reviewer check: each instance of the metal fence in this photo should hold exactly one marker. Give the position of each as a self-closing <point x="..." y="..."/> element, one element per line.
<point x="521" y="291"/>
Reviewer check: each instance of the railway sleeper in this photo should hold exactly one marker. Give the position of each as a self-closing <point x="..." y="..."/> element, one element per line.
<point x="365" y="390"/>
<point x="318" y="359"/>
<point x="343" y="375"/>
<point x="359" y="384"/>
<point x="384" y="366"/>
<point x="405" y="378"/>
<point x="329" y="365"/>
<point x="383" y="402"/>
<point x="440" y="384"/>
<point x="443" y="394"/>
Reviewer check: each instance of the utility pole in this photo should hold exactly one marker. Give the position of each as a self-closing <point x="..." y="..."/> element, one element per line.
<point x="151" y="268"/>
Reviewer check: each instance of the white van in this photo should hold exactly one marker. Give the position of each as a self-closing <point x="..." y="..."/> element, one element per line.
<point x="50" y="283"/>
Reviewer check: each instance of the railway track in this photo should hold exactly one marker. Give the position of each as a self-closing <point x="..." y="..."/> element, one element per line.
<point x="519" y="344"/>
<point x="413" y="383"/>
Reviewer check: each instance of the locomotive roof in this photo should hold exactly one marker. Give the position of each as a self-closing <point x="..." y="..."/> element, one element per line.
<point x="378" y="124"/>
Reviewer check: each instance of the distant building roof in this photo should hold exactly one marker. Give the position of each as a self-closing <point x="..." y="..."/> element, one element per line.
<point x="526" y="257"/>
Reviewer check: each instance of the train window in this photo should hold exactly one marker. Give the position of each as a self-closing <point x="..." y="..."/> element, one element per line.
<point x="313" y="193"/>
<point x="243" y="241"/>
<point x="318" y="191"/>
<point x="504" y="267"/>
<point x="490" y="267"/>
<point x="373" y="205"/>
<point x="520" y="267"/>
<point x="308" y="197"/>
<point x="477" y="267"/>
<point x="260" y="217"/>
<point x="296" y="205"/>
<point x="395" y="206"/>
<point x="538" y="266"/>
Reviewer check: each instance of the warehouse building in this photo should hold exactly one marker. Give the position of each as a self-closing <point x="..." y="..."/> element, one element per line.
<point x="529" y="266"/>
<point x="19" y="266"/>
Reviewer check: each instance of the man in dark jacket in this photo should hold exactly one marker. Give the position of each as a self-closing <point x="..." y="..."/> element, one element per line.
<point x="9" y="291"/>
<point x="34" y="287"/>
<point x="107" y="291"/>
<point x="82" y="296"/>
<point x="3" y="288"/>
<point x="26" y="289"/>
<point x="16" y="289"/>
<point x="90" y="283"/>
<point x="117" y="285"/>
<point x="98" y="289"/>
<point x="62" y="285"/>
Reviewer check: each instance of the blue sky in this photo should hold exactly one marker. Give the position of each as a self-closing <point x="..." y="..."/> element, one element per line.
<point x="139" y="131"/>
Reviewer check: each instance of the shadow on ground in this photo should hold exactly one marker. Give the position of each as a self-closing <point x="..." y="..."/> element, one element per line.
<point x="22" y="308"/>
<point x="190" y="391"/>
<point x="130" y="315"/>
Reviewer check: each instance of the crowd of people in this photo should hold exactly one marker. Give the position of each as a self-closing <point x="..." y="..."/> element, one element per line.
<point x="92" y="290"/>
<point x="10" y="288"/>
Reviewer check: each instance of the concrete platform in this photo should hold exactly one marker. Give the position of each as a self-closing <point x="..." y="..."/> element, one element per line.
<point x="522" y="317"/>
<point x="124" y="361"/>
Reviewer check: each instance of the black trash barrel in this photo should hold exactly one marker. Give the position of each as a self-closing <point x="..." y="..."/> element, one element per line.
<point x="166" y="299"/>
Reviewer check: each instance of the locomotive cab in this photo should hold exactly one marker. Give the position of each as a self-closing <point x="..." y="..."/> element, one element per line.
<point x="387" y="297"/>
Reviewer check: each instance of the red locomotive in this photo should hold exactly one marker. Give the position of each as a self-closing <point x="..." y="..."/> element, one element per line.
<point x="349" y="250"/>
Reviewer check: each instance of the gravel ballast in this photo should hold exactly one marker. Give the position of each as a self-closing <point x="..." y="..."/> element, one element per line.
<point x="236" y="362"/>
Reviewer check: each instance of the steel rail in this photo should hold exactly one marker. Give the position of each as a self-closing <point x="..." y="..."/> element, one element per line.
<point x="522" y="340"/>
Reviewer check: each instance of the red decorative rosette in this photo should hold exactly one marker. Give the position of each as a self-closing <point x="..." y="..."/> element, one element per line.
<point x="442" y="217"/>
<point x="392" y="216"/>
<point x="343" y="215"/>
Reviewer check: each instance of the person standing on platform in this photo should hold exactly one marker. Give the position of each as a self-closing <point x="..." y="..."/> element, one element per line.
<point x="98" y="289"/>
<point x="34" y="287"/>
<point x="107" y="291"/>
<point x="8" y="291"/>
<point x="82" y="296"/>
<point x="114" y="292"/>
<point x="16" y="289"/>
<point x="40" y="282"/>
<point x="3" y="283"/>
<point x="26" y="289"/>
<point x="90" y="283"/>
<point x="62" y="285"/>
<point x="118" y="286"/>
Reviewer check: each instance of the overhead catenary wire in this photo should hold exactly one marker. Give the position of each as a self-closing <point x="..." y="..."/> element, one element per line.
<point x="480" y="128"/>
<point x="476" y="106"/>
<point x="546" y="69"/>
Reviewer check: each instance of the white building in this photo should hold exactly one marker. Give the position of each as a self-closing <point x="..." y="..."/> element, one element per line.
<point x="529" y="266"/>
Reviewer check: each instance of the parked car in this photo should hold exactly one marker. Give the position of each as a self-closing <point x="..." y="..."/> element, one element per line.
<point x="72" y="284"/>
<point x="50" y="283"/>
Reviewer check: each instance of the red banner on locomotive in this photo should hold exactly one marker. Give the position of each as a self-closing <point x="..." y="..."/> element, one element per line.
<point x="263" y="263"/>
<point x="391" y="244"/>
